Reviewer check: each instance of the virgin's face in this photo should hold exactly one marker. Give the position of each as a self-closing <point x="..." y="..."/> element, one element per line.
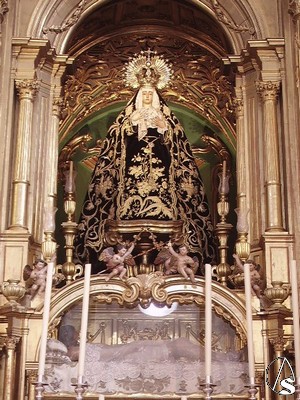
<point x="147" y="96"/>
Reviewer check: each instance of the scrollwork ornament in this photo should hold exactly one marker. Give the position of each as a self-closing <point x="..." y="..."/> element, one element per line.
<point x="131" y="293"/>
<point x="146" y="286"/>
<point x="294" y="9"/>
<point x="268" y="90"/>
<point x="110" y="298"/>
<point x="27" y="88"/>
<point x="159" y="293"/>
<point x="3" y="9"/>
<point x="69" y="22"/>
<point x="223" y="18"/>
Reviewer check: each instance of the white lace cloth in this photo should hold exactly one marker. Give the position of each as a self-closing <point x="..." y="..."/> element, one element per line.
<point x="149" y="367"/>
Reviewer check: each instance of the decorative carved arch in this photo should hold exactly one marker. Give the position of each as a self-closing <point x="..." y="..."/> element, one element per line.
<point x="58" y="19"/>
<point x="143" y="288"/>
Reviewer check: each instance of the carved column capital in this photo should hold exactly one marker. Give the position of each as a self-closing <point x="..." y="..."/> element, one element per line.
<point x="238" y="105"/>
<point x="10" y="342"/>
<point x="32" y="375"/>
<point x="268" y="90"/>
<point x="27" y="88"/>
<point x="57" y="106"/>
<point x="2" y="342"/>
<point x="294" y="9"/>
<point x="3" y="9"/>
<point x="278" y="343"/>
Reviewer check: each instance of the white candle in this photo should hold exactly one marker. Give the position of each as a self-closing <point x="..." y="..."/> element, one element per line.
<point x="101" y="397"/>
<point x="248" y="296"/>
<point x="295" y="308"/>
<point x="224" y="174"/>
<point x="208" y="323"/>
<point x="46" y="313"/>
<point x="84" y="321"/>
<point x="69" y="188"/>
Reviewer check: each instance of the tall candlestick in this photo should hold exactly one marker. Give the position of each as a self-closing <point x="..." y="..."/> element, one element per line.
<point x="46" y="313"/>
<point x="84" y="322"/>
<point x="250" y="347"/>
<point x="208" y="323"/>
<point x="295" y="307"/>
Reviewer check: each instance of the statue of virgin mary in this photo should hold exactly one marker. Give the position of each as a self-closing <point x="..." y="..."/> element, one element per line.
<point x="146" y="169"/>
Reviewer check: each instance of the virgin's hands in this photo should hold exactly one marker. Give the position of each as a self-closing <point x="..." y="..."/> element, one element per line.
<point x="160" y="123"/>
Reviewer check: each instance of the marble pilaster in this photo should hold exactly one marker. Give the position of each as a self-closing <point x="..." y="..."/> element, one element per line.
<point x="27" y="90"/>
<point x="269" y="93"/>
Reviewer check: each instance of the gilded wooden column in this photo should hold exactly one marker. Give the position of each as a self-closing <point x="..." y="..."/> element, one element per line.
<point x="269" y="94"/>
<point x="31" y="378"/>
<point x="27" y="90"/>
<point x="266" y="349"/>
<point x="240" y="153"/>
<point x="278" y="344"/>
<point x="53" y="149"/>
<point x="2" y="366"/>
<point x="10" y="386"/>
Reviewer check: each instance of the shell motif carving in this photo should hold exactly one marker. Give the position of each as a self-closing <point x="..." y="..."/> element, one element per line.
<point x="147" y="286"/>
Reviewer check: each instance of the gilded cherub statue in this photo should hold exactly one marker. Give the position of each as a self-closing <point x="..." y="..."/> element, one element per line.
<point x="116" y="262"/>
<point x="256" y="280"/>
<point x="35" y="278"/>
<point x="179" y="261"/>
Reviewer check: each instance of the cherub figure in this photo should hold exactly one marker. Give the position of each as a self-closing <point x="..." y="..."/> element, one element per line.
<point x="35" y="278"/>
<point x="255" y="278"/>
<point x="254" y="274"/>
<point x="179" y="261"/>
<point x="115" y="262"/>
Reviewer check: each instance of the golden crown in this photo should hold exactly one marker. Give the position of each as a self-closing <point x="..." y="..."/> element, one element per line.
<point x="148" y="69"/>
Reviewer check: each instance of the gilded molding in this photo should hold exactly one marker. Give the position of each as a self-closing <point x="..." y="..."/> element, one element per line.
<point x="27" y="88"/>
<point x="52" y="328"/>
<point x="224" y="19"/>
<point x="268" y="90"/>
<point x="144" y="288"/>
<point x="3" y="9"/>
<point x="228" y="317"/>
<point x="213" y="144"/>
<point x="69" y="22"/>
